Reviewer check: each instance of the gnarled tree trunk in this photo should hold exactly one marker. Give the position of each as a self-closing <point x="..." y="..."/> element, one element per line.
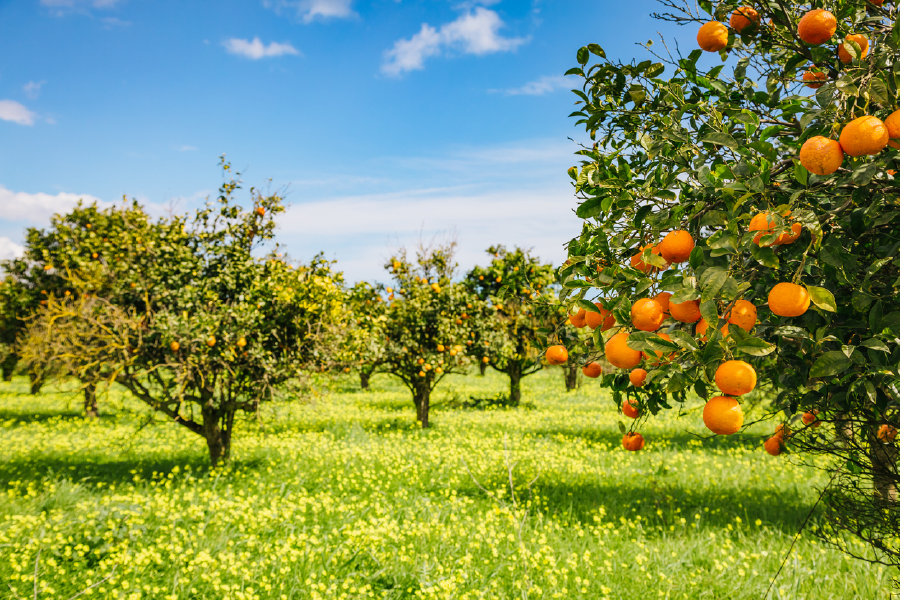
<point x="9" y="365"/>
<point x="422" y="397"/>
<point x="218" y="424"/>
<point x="884" y="472"/>
<point x="514" y="370"/>
<point x="482" y="368"/>
<point x="37" y="382"/>
<point x="571" y="373"/>
<point x="364" y="379"/>
<point x="90" y="401"/>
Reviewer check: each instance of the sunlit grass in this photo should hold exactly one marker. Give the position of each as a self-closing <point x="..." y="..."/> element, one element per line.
<point x="341" y="496"/>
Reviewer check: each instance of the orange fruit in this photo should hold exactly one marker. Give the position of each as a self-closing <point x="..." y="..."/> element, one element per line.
<point x="260" y="211"/>
<point x="865" y="135"/>
<point x="633" y="441"/>
<point x="893" y="126"/>
<point x="686" y="312"/>
<point x="743" y="17"/>
<point x="760" y="222"/>
<point x="815" y="76"/>
<point x="604" y="319"/>
<point x="735" y="377"/>
<point x="557" y="355"/>
<point x="676" y="246"/>
<point x="486" y="360"/>
<point x="638" y="263"/>
<point x="723" y="415"/>
<point x="713" y="36"/>
<point x="578" y="320"/>
<point x="743" y="314"/>
<point x="703" y="326"/>
<point x="863" y="43"/>
<point x="211" y="341"/>
<point x="821" y="155"/>
<point x="174" y="346"/>
<point x="637" y="378"/>
<point x="774" y="445"/>
<point x="630" y="409"/>
<point x="592" y="370"/>
<point x="663" y="299"/>
<point x="659" y="354"/>
<point x="816" y="27"/>
<point x="619" y="354"/>
<point x="811" y="419"/>
<point x="789" y="238"/>
<point x="788" y="299"/>
<point x="887" y="433"/>
<point x="647" y="315"/>
<point x="783" y="430"/>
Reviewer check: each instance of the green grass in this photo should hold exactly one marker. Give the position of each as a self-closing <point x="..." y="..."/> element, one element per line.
<point x="341" y="496"/>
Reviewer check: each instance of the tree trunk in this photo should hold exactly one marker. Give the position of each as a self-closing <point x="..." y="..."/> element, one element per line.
<point x="9" y="365"/>
<point x="572" y="380"/>
<point x="364" y="379"/>
<point x="90" y="401"/>
<point x="37" y="381"/>
<point x="217" y="427"/>
<point x="884" y="472"/>
<point x="482" y="368"/>
<point x="514" y="370"/>
<point x="422" y="397"/>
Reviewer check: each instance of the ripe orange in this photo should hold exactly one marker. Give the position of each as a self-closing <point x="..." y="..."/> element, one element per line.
<point x="760" y="222"/>
<point x="789" y="238"/>
<point x="604" y="320"/>
<point x="174" y="346"/>
<point x="735" y="377"/>
<point x="821" y="155"/>
<point x="783" y="430"/>
<point x="743" y="17"/>
<point x="703" y="326"/>
<point x="743" y="314"/>
<point x="592" y="370"/>
<point x="815" y="76"/>
<point x="893" y="126"/>
<point x="633" y="441"/>
<point x="638" y="263"/>
<point x="863" y="43"/>
<point x="788" y="299"/>
<point x="774" y="445"/>
<point x="421" y="373"/>
<point x="816" y="27"/>
<point x="647" y="315"/>
<point x="630" y="409"/>
<point x="619" y="354"/>
<point x="713" y="36"/>
<point x="578" y="320"/>
<point x="663" y="299"/>
<point x="557" y="355"/>
<point x="811" y="419"/>
<point x="676" y="246"/>
<point x="211" y="341"/>
<point x="260" y="211"/>
<point x="686" y="312"/>
<point x="887" y="433"/>
<point x="637" y="378"/>
<point x="659" y="354"/>
<point x="723" y="415"/>
<point x="241" y="342"/>
<point x="486" y="360"/>
<point x="865" y="135"/>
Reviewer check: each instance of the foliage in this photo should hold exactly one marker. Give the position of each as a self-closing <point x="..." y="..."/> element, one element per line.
<point x="685" y="144"/>
<point x="362" y="345"/>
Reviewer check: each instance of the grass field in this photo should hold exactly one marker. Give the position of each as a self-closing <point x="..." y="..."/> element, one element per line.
<point x="341" y="496"/>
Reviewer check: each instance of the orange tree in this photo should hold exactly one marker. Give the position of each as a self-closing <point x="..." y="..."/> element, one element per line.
<point x="428" y="323"/>
<point x="511" y="284"/>
<point x="202" y="322"/>
<point x="757" y="187"/>
<point x="362" y="345"/>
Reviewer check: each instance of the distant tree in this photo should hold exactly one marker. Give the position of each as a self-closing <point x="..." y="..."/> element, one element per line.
<point x="428" y="324"/>
<point x="512" y="283"/>
<point x="363" y="344"/>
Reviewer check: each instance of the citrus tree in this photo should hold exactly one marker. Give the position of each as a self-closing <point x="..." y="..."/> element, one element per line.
<point x="753" y="181"/>
<point x="428" y="323"/>
<point x="205" y="319"/>
<point x="363" y="343"/>
<point x="511" y="284"/>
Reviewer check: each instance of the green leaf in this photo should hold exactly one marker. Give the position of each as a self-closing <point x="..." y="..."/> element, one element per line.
<point x="596" y="49"/>
<point x="878" y="91"/>
<point x="875" y="344"/>
<point x="685" y="295"/>
<point x="800" y="173"/>
<point x="583" y="55"/>
<point x="684" y="340"/>
<point x="766" y="256"/>
<point x="710" y="312"/>
<point x="755" y="346"/>
<point x="648" y="340"/>
<point x="822" y="298"/>
<point x="721" y="139"/>
<point x="829" y="364"/>
<point x="587" y="305"/>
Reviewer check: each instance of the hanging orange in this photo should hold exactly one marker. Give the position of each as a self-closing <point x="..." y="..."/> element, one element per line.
<point x="686" y="312"/>
<point x="647" y="315"/>
<point x="619" y="354"/>
<point x="735" y="377"/>
<point x="676" y="246"/>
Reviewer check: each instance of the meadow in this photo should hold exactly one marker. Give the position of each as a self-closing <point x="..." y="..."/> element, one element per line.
<point x="340" y="495"/>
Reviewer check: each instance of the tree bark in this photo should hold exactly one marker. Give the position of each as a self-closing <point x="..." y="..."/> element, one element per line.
<point x="482" y="368"/>
<point x="37" y="382"/>
<point x="217" y="427"/>
<point x="90" y="401"/>
<point x="422" y="397"/>
<point x="9" y="365"/>
<point x="514" y="370"/>
<point x="572" y="380"/>
<point x="364" y="379"/>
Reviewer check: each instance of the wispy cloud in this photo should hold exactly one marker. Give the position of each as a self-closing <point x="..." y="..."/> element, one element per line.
<point x="310" y="10"/>
<point x="32" y="89"/>
<point x="38" y="208"/>
<point x="186" y="148"/>
<point x="9" y="249"/>
<point x="540" y="86"/>
<point x="63" y="7"/>
<point x="474" y="32"/>
<point x="256" y="50"/>
<point x="10" y="110"/>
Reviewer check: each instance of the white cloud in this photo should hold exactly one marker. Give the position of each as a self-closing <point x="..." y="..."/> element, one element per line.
<point x="186" y="148"/>
<point x="540" y="86"/>
<point x="63" y="5"/>
<point x="11" y="110"/>
<point x="256" y="49"/>
<point x="474" y="32"/>
<point x="309" y="10"/>
<point x="38" y="208"/>
<point x="9" y="249"/>
<point x="32" y="89"/>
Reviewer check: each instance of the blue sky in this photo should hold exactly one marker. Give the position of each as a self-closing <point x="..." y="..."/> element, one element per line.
<point x="385" y="120"/>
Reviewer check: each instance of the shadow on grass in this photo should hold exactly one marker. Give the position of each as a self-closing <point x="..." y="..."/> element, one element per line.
<point x="18" y="417"/>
